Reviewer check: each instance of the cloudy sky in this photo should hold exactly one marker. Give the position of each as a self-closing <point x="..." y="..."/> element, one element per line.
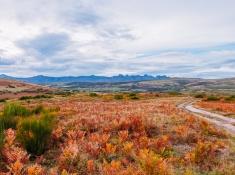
<point x="190" y="38"/>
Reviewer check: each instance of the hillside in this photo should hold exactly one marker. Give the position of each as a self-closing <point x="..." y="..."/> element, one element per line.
<point x="171" y="84"/>
<point x="15" y="89"/>
<point x="126" y="83"/>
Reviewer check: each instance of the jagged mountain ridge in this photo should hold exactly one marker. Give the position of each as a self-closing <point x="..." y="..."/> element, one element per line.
<point x="41" y="79"/>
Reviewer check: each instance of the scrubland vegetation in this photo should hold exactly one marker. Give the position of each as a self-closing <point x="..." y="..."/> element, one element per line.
<point x="34" y="97"/>
<point x="224" y="105"/>
<point x="111" y="134"/>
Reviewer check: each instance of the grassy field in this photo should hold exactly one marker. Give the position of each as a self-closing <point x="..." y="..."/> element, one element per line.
<point x="110" y="134"/>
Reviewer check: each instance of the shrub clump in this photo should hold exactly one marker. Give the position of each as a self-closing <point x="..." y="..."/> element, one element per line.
<point x="3" y="100"/>
<point x="93" y="94"/>
<point x="212" y="98"/>
<point x="38" y="109"/>
<point x="34" y="97"/>
<point x="199" y="95"/>
<point x="133" y="96"/>
<point x="11" y="114"/>
<point x="205" y="154"/>
<point x="230" y="98"/>
<point x="34" y="133"/>
<point x="14" y="109"/>
<point x="118" y="97"/>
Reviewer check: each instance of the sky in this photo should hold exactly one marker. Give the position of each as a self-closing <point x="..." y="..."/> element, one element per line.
<point x="183" y="38"/>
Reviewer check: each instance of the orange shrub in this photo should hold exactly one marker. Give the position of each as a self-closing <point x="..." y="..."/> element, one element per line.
<point x="205" y="154"/>
<point x="12" y="152"/>
<point x="218" y="106"/>
<point x="91" y="166"/>
<point x="153" y="164"/>
<point x="16" y="168"/>
<point x="35" y="170"/>
<point x="69" y="157"/>
<point x="123" y="135"/>
<point x="112" y="168"/>
<point x="209" y="129"/>
<point x="127" y="147"/>
<point x="109" y="148"/>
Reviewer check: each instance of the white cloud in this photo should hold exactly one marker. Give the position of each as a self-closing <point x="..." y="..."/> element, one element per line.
<point x="177" y="38"/>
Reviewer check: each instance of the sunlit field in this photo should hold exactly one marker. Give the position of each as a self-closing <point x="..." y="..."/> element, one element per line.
<point x="223" y="107"/>
<point x="110" y="134"/>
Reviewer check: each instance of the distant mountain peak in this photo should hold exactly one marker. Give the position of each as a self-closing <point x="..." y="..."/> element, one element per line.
<point x="41" y="79"/>
<point x="4" y="76"/>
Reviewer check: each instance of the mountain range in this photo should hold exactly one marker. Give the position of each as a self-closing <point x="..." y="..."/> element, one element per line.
<point x="41" y="79"/>
<point x="142" y="83"/>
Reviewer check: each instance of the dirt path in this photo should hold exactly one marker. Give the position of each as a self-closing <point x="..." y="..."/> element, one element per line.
<point x="219" y="120"/>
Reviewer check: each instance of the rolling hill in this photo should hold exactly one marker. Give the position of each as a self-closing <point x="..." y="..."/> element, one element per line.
<point x="14" y="89"/>
<point x="170" y="84"/>
<point x="129" y="83"/>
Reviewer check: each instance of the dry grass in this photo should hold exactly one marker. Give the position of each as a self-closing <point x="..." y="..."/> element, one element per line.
<point x="101" y="135"/>
<point x="223" y="107"/>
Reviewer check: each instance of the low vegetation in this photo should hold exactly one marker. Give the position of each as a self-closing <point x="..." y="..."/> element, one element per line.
<point x="224" y="107"/>
<point x="230" y="98"/>
<point x="3" y="100"/>
<point x="133" y="96"/>
<point x="93" y="94"/>
<point x="12" y="112"/>
<point x="213" y="98"/>
<point x="34" y="133"/>
<point x="200" y="95"/>
<point x="80" y="134"/>
<point x="118" y="97"/>
<point x="34" y="97"/>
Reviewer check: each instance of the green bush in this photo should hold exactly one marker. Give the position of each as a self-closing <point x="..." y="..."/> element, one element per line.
<point x="212" y="98"/>
<point x="3" y="100"/>
<point x="34" y="133"/>
<point x="25" y="98"/>
<point x="38" y="109"/>
<point x="15" y="109"/>
<point x="42" y="96"/>
<point x="132" y="94"/>
<point x="11" y="114"/>
<point x="118" y="97"/>
<point x="134" y="98"/>
<point x="9" y="122"/>
<point x="93" y="94"/>
<point x="199" y="95"/>
<point x="230" y="98"/>
<point x="34" y="97"/>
